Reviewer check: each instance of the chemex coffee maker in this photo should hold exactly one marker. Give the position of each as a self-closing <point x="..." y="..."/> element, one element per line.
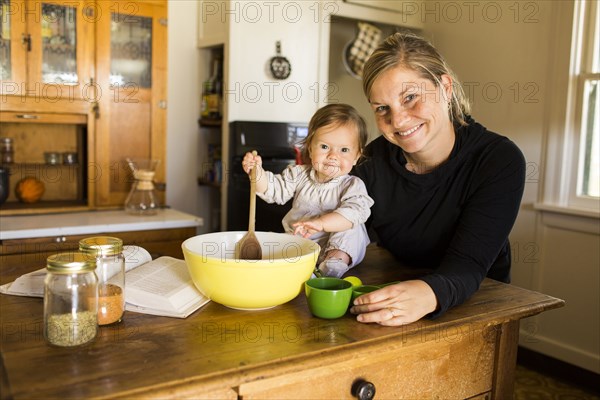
<point x="142" y="198"/>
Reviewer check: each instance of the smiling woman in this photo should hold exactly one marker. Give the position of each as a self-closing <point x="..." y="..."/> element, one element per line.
<point x="414" y="116"/>
<point x="446" y="190"/>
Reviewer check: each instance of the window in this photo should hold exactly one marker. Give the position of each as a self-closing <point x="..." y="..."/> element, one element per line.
<point x="572" y="165"/>
<point x="584" y="188"/>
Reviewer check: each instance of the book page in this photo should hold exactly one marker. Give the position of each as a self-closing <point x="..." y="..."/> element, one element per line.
<point x="163" y="284"/>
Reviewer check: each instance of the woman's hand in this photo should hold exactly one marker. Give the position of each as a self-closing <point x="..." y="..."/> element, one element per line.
<point x="397" y="304"/>
<point x="308" y="228"/>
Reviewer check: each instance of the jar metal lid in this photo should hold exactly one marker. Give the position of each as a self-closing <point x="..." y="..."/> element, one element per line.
<point x="101" y="245"/>
<point x="73" y="262"/>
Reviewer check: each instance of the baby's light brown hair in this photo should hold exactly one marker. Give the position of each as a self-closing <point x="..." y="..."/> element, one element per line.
<point x="338" y="114"/>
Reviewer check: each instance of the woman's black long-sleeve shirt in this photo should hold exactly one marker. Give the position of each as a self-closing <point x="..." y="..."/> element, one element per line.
<point x="455" y="219"/>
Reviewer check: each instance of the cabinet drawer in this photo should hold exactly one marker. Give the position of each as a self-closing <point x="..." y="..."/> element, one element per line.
<point x="19" y="256"/>
<point x="68" y="242"/>
<point x="451" y="365"/>
<point x="43" y="118"/>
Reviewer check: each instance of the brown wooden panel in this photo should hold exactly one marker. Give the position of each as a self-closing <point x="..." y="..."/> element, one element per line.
<point x="129" y="137"/>
<point x="41" y="118"/>
<point x="19" y="256"/>
<point x="31" y="245"/>
<point x="61" y="182"/>
<point x="32" y="140"/>
<point x="506" y="360"/>
<point x="47" y="207"/>
<point x="31" y="104"/>
<point x="459" y="365"/>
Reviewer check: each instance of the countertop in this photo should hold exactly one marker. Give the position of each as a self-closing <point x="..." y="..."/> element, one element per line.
<point x="81" y="223"/>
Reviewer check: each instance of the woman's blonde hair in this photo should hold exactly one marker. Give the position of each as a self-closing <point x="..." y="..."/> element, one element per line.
<point x="413" y="52"/>
<point x="338" y="114"/>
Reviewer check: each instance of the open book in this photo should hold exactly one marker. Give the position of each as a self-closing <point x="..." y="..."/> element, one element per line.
<point x="162" y="287"/>
<point x="158" y="287"/>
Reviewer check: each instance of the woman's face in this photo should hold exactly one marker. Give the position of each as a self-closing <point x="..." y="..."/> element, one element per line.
<point x="334" y="151"/>
<point x="412" y="112"/>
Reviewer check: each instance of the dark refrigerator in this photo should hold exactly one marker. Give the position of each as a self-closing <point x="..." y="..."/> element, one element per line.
<point x="277" y="144"/>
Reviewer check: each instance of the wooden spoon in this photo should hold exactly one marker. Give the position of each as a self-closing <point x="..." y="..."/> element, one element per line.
<point x="249" y="246"/>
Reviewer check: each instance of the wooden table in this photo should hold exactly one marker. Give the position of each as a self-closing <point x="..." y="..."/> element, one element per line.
<point x="284" y="352"/>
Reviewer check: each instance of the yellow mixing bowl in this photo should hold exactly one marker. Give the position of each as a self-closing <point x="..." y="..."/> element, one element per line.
<point x="287" y="263"/>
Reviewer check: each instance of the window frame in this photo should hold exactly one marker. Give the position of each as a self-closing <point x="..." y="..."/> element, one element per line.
<point x="563" y="150"/>
<point x="582" y="72"/>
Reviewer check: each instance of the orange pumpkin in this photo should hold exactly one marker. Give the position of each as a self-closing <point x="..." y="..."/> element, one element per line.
<point x="29" y="189"/>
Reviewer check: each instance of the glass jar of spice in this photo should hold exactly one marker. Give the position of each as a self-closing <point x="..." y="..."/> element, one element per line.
<point x="70" y="300"/>
<point x="7" y="151"/>
<point x="107" y="252"/>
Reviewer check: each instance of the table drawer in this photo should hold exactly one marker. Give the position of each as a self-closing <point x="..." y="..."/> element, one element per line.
<point x="449" y="365"/>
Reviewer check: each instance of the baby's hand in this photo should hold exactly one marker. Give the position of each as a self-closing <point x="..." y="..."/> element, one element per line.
<point x="308" y="228"/>
<point x="250" y="161"/>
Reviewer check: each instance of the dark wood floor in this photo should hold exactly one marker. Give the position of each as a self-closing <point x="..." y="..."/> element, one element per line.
<point x="540" y="377"/>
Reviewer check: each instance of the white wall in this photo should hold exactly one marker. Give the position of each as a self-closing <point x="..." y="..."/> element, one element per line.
<point x="252" y="93"/>
<point x="183" y="139"/>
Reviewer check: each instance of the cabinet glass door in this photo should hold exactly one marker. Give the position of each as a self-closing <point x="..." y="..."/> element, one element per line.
<point x="61" y="59"/>
<point x="131" y="62"/>
<point x="131" y="50"/>
<point x="5" y="47"/>
<point x="13" y="47"/>
<point x="59" y="44"/>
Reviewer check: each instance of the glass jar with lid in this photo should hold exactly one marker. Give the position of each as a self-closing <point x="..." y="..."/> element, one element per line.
<point x="107" y="252"/>
<point x="70" y="300"/>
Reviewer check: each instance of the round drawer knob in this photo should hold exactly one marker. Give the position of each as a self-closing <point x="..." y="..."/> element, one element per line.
<point x="363" y="390"/>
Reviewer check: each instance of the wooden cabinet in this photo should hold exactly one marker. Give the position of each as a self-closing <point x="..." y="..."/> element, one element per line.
<point x="95" y="68"/>
<point x="36" y="128"/>
<point x="48" y="49"/>
<point x="52" y="149"/>
<point x="131" y="57"/>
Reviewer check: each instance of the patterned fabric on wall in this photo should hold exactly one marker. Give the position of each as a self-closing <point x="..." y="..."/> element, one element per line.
<point x="358" y="51"/>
